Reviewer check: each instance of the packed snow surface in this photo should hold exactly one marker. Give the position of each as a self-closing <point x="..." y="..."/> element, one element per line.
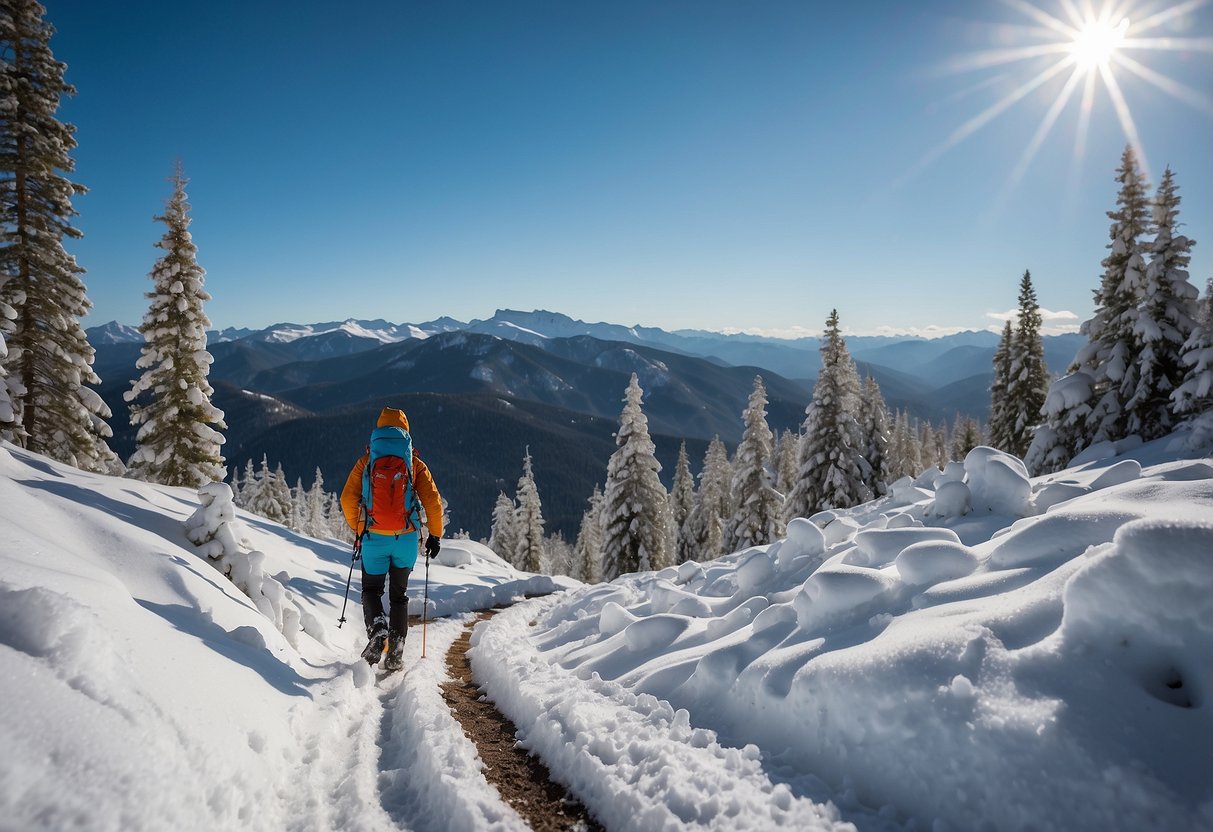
<point x="1020" y="654"/>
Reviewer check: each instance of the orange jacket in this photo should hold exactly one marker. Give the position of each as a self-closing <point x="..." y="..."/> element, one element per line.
<point x="423" y="483"/>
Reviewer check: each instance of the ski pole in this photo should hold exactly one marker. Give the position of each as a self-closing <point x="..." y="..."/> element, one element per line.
<point x="353" y="559"/>
<point x="425" y="603"/>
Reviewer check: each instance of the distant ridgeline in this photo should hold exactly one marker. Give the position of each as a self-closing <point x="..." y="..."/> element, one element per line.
<point x="479" y="394"/>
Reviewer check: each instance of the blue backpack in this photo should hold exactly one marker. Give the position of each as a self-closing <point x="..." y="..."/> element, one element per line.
<point x="387" y="482"/>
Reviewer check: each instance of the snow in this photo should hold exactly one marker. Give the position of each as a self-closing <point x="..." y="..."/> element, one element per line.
<point x="143" y="690"/>
<point x="1039" y="662"/>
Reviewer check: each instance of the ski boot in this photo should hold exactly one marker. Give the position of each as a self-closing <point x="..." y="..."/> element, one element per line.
<point x="377" y="633"/>
<point x="395" y="652"/>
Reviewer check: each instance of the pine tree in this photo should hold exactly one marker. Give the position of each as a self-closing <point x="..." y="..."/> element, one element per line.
<point x="917" y="458"/>
<point x="926" y="442"/>
<point x="682" y="501"/>
<point x="1088" y="404"/>
<point x="339" y="528"/>
<point x="941" y="445"/>
<point x="1112" y="352"/>
<point x="316" y="513"/>
<point x="587" y="550"/>
<point x="557" y="555"/>
<point x="177" y="443"/>
<point x="787" y="451"/>
<point x="271" y="498"/>
<point x="1195" y="395"/>
<point x="49" y="359"/>
<point x="756" y="518"/>
<point x="1204" y="307"/>
<point x="874" y="425"/>
<point x="966" y="435"/>
<point x="1028" y="381"/>
<point x="1165" y="319"/>
<point x="833" y="472"/>
<point x="1002" y="413"/>
<point x="713" y="503"/>
<point x="298" y="507"/>
<point x="247" y="493"/>
<point x="10" y="388"/>
<point x="636" y="510"/>
<point x="528" y="521"/>
<point x="503" y="539"/>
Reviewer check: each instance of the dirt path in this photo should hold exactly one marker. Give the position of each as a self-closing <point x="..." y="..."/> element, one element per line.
<point x="521" y="779"/>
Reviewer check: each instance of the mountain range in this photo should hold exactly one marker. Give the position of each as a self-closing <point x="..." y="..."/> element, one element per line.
<point x="480" y="393"/>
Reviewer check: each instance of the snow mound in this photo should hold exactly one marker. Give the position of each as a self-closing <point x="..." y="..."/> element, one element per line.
<point x="835" y="595"/>
<point x="998" y="482"/>
<point x="1146" y="604"/>
<point x="879" y="547"/>
<point x="952" y="499"/>
<point x="932" y="561"/>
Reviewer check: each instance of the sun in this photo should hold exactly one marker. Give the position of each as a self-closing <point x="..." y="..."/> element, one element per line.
<point x="1096" y="42"/>
<point x="1082" y="50"/>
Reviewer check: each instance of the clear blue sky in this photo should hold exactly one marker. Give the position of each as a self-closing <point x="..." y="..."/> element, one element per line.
<point x="703" y="164"/>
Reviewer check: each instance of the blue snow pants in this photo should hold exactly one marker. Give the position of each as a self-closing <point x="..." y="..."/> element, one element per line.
<point x="387" y="559"/>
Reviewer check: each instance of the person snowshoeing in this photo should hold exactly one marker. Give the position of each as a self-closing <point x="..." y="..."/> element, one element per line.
<point x="382" y="500"/>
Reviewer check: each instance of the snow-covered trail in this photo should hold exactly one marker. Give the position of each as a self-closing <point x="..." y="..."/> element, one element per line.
<point x="386" y="753"/>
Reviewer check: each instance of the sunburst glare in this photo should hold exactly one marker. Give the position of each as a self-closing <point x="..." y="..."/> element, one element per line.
<point x="1085" y="48"/>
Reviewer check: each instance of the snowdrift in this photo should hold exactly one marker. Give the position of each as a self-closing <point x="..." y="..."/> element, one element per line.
<point x="978" y="650"/>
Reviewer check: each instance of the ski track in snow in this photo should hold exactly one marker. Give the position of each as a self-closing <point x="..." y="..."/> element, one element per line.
<point x="428" y="767"/>
<point x="386" y="753"/>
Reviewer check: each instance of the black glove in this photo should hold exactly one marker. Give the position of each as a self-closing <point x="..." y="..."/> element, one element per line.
<point x="432" y="545"/>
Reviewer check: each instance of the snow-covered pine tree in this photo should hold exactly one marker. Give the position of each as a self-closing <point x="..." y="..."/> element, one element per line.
<point x="1204" y="307"/>
<point x="1002" y="413"/>
<point x="874" y="423"/>
<point x="757" y="516"/>
<point x="557" y="555"/>
<point x="713" y="503"/>
<point x="1087" y="405"/>
<point x="282" y="493"/>
<point x="316" y="513"/>
<point x="587" y="550"/>
<point x="787" y="451"/>
<point x="49" y="359"/>
<point x="10" y="388"/>
<point x="1113" y="350"/>
<point x="926" y="441"/>
<point x="266" y="499"/>
<point x="528" y="521"/>
<point x="247" y="493"/>
<point x="503" y="539"/>
<point x="1028" y="382"/>
<point x="339" y="528"/>
<point x="233" y="481"/>
<point x="914" y="458"/>
<point x="833" y="472"/>
<point x="636" y="509"/>
<point x="966" y="435"/>
<point x="1195" y="395"/>
<point x="682" y="501"/>
<point x="1165" y="319"/>
<point x="178" y="441"/>
<point x="298" y="510"/>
